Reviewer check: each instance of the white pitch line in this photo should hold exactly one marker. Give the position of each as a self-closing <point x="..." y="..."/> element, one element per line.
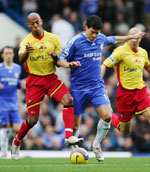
<point x="54" y="165"/>
<point x="50" y="165"/>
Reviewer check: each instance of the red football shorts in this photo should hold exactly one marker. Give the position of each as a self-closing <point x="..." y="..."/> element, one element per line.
<point x="131" y="102"/>
<point x="39" y="86"/>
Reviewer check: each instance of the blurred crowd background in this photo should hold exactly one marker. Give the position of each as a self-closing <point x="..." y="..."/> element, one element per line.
<point x="66" y="19"/>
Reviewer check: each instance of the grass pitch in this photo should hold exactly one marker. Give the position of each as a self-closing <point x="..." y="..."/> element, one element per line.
<point x="134" y="164"/>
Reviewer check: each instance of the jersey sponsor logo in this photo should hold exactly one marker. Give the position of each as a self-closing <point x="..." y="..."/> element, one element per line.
<point x="96" y="58"/>
<point x="126" y="69"/>
<point x="39" y="57"/>
<point x="112" y="59"/>
<point x="10" y="81"/>
<point x="92" y="55"/>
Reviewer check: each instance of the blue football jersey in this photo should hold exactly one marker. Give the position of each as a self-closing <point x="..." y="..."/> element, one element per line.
<point x="80" y="48"/>
<point x="10" y="78"/>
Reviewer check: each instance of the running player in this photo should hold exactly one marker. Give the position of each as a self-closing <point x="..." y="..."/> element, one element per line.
<point x="87" y="85"/>
<point x="35" y="51"/>
<point x="132" y="97"/>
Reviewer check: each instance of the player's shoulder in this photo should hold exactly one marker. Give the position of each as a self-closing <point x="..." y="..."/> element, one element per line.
<point x="101" y="37"/>
<point x="120" y="48"/>
<point x="77" y="39"/>
<point x="17" y="66"/>
<point x="49" y="34"/>
<point x="27" y="38"/>
<point x="1" y="65"/>
<point x="142" y="50"/>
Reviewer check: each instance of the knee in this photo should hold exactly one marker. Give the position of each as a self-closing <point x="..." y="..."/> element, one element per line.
<point x="107" y="117"/>
<point x="32" y="121"/>
<point x="124" y="131"/>
<point x="67" y="100"/>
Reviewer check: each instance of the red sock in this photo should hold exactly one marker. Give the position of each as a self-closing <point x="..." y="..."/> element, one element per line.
<point x="68" y="117"/>
<point x="115" y="122"/>
<point x="22" y="132"/>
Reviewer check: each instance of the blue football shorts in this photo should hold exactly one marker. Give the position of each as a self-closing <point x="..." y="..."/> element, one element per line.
<point x="12" y="117"/>
<point x="97" y="97"/>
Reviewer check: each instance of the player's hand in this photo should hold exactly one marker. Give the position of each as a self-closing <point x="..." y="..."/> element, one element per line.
<point x="53" y="55"/>
<point x="1" y="86"/>
<point x="29" y="48"/>
<point x="139" y="35"/>
<point x="23" y="83"/>
<point x="74" y="64"/>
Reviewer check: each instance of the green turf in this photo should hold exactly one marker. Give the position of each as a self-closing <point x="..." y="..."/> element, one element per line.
<point x="139" y="164"/>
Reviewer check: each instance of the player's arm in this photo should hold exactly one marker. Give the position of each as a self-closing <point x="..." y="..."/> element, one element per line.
<point x="1" y="86"/>
<point x="121" y="39"/>
<point x="111" y="61"/>
<point x="64" y="63"/>
<point x="24" y="55"/>
<point x="103" y="70"/>
<point x="147" y="68"/>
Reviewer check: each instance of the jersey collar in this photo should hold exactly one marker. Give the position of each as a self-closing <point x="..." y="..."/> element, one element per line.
<point x="39" y="38"/>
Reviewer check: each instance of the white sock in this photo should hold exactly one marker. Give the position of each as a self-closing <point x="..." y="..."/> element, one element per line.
<point x="76" y="133"/>
<point x="102" y="129"/>
<point x="4" y="140"/>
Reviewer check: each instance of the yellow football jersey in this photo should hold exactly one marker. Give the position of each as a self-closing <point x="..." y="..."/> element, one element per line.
<point x="39" y="62"/>
<point x="129" y="66"/>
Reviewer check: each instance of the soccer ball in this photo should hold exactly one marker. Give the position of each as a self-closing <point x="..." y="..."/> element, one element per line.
<point x="79" y="156"/>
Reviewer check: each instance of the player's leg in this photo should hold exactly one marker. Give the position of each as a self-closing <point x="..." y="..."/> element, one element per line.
<point x="123" y="122"/>
<point x="81" y="101"/>
<point x="77" y="120"/>
<point x="34" y="96"/>
<point x="25" y="127"/>
<point x="4" y="139"/>
<point x="126" y="105"/>
<point x="15" y="120"/>
<point x="100" y="101"/>
<point x="4" y="132"/>
<point x="144" y="103"/>
<point x="115" y="121"/>
<point x="147" y="115"/>
<point x="61" y="94"/>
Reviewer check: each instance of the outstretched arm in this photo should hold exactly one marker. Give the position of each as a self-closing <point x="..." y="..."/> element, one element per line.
<point x="121" y="39"/>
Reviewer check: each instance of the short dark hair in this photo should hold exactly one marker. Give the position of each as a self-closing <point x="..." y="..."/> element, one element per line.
<point x="95" y="22"/>
<point x="7" y="46"/>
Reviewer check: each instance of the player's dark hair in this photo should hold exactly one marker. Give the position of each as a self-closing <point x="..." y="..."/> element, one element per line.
<point x="95" y="22"/>
<point x="7" y="46"/>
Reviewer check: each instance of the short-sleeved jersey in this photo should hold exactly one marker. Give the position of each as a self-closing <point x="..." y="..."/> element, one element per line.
<point x="80" y="48"/>
<point x="129" y="66"/>
<point x="10" y="78"/>
<point x="39" y="62"/>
